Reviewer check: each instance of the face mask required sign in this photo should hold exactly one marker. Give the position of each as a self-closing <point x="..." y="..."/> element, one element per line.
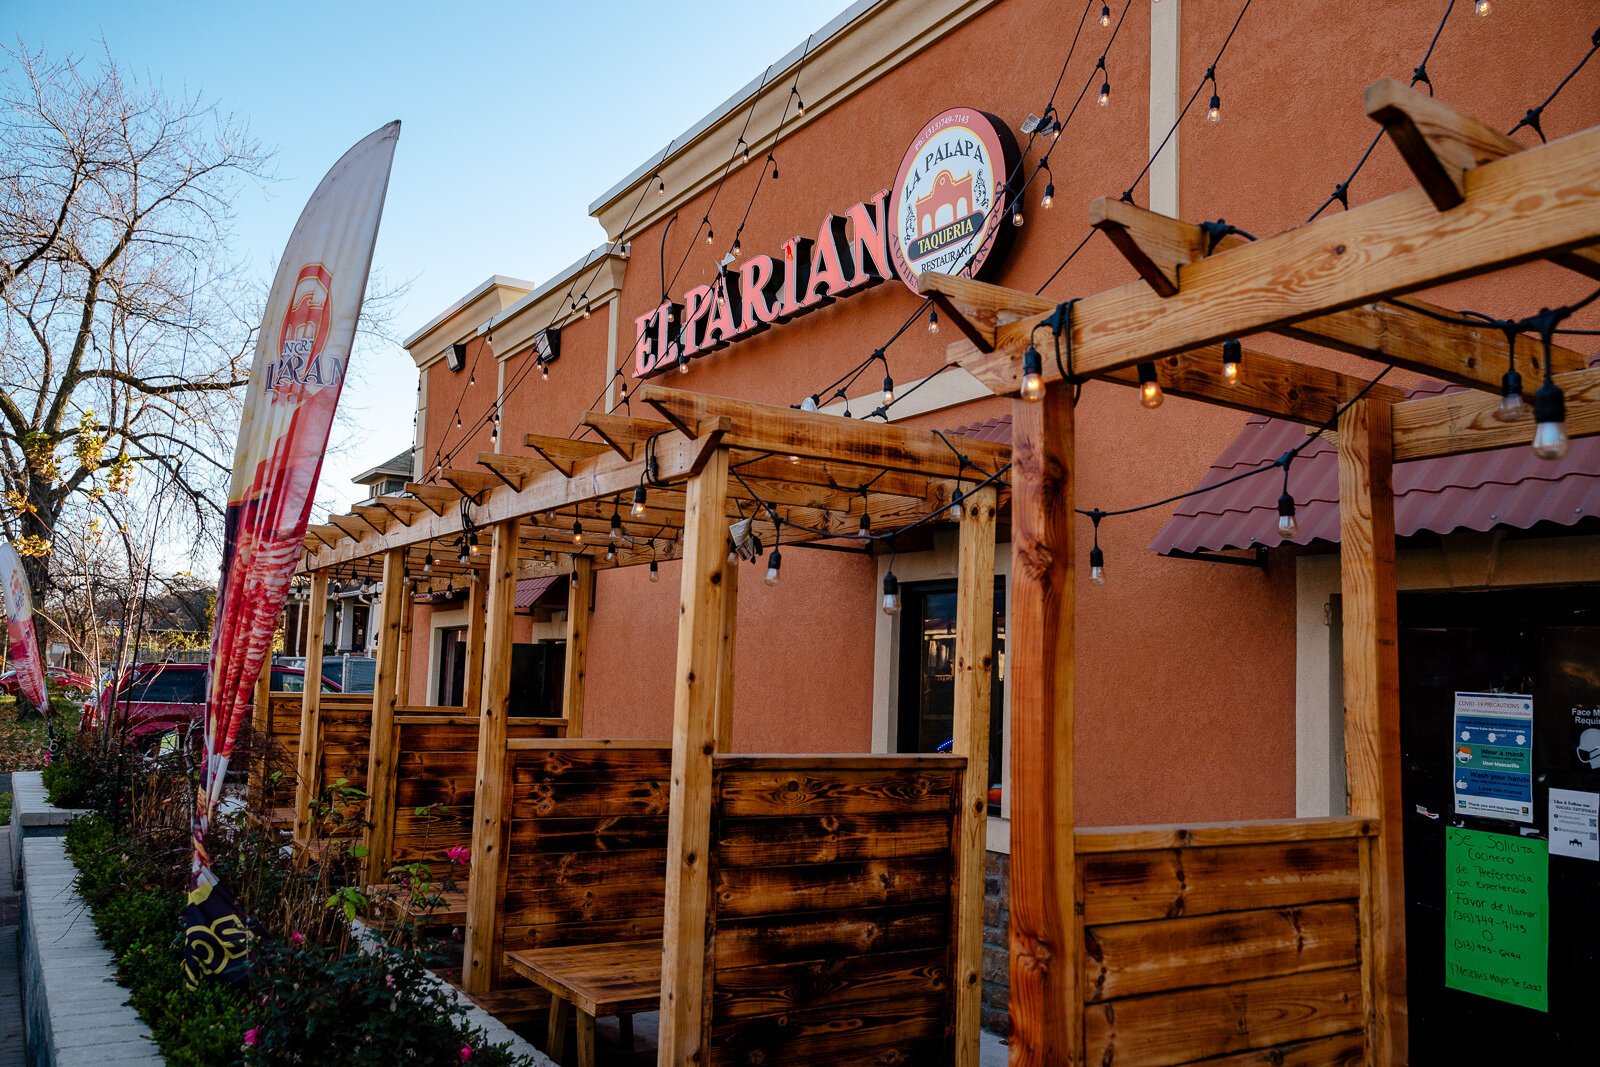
<point x="1493" y="754"/>
<point x="1497" y="908"/>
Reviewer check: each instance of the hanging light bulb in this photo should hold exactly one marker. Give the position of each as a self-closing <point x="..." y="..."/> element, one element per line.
<point x="577" y="531"/>
<point x="955" y="503"/>
<point x="586" y="310"/>
<point x="774" y="163"/>
<point x="1049" y="197"/>
<point x="655" y="572"/>
<point x="888" y="390"/>
<point x="1105" y="15"/>
<point x="1232" y="361"/>
<point x="865" y="529"/>
<point x="774" y="562"/>
<point x="1016" y="213"/>
<point x="799" y="104"/>
<point x="637" y="509"/>
<point x="472" y="377"/>
<point x="733" y="553"/>
<point x="711" y="235"/>
<point x="1288" y="528"/>
<point x="1032" y="374"/>
<point x="1150" y="394"/>
<point x="1512" y="406"/>
<point x="683" y="363"/>
<point x="544" y="372"/>
<point x="611" y="553"/>
<point x="933" y="320"/>
<point x="794" y="458"/>
<point x="1097" y="566"/>
<point x="1105" y="93"/>
<point x="458" y="422"/>
<point x="891" y="594"/>
<point x="427" y="562"/>
<point x="494" y="433"/>
<point x="472" y="544"/>
<point x="744" y="150"/>
<point x="738" y="249"/>
<point x="661" y="186"/>
<point x="1550" y="419"/>
<point x="1483" y="8"/>
<point x="615" y="533"/>
<point x="548" y="556"/>
<point x="809" y="403"/>
<point x="461" y="551"/>
<point x="1214" y="111"/>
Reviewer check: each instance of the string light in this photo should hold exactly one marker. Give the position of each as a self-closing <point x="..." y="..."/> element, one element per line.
<point x="744" y="150"/>
<point x="1105" y="84"/>
<point x="710" y="233"/>
<point x="933" y="320"/>
<point x="891" y="594"/>
<point x="611" y="553"/>
<point x="427" y="562"/>
<point x="774" y="562"/>
<point x="615" y="533"/>
<point x="661" y="185"/>
<point x="1214" y="111"/>
<point x="1232" y="361"/>
<point x="809" y="403"/>
<point x="1483" y="8"/>
<point x="655" y="572"/>
<point x="1016" y="212"/>
<point x="774" y="163"/>
<point x="1550" y="419"/>
<point x="738" y="249"/>
<point x="577" y="531"/>
<point x="888" y="390"/>
<point x="1105" y="15"/>
<point x="1150" y="394"/>
<point x="799" y="102"/>
<point x="1288" y="528"/>
<point x="683" y="362"/>
<point x="1049" y="197"/>
<point x="1512" y="406"/>
<point x="1097" y="558"/>
<point x="638" y="507"/>
<point x="1032" y="374"/>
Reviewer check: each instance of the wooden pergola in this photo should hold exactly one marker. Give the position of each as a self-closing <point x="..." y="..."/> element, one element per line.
<point x="1484" y="203"/>
<point x="703" y="465"/>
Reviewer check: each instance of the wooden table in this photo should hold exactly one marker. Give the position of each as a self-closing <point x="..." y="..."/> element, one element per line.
<point x="618" y="978"/>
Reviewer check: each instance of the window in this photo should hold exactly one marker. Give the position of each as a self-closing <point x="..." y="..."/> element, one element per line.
<point x="169" y="686"/>
<point x="927" y="675"/>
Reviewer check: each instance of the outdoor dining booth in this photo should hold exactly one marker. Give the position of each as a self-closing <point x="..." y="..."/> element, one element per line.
<point x="774" y="908"/>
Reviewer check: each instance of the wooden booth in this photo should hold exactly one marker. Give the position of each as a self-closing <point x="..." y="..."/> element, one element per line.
<point x="774" y="908"/>
<point x="1279" y="942"/>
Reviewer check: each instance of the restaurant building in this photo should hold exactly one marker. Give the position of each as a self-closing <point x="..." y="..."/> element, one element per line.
<point x="768" y="253"/>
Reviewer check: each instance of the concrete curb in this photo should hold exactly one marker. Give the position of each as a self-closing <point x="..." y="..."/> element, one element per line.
<point x="30" y="811"/>
<point x="74" y="1013"/>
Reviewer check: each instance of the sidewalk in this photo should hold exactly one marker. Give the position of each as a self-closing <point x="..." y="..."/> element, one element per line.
<point x="11" y="1050"/>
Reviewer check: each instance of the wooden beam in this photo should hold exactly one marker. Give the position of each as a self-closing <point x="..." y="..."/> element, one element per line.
<point x="404" y="509"/>
<point x="563" y="453"/>
<point x="480" y="958"/>
<point x="436" y="498"/>
<point x="974" y="672"/>
<point x="1537" y="203"/>
<point x="1158" y="247"/>
<point x="623" y="433"/>
<point x="1046" y="932"/>
<point x="580" y="602"/>
<point x="1372" y="713"/>
<point x="308" y="760"/>
<point x="472" y="484"/>
<point x="808" y="434"/>
<point x="726" y="645"/>
<point x="684" y="1030"/>
<point x="1452" y="424"/>
<point x="350" y="526"/>
<point x="408" y="606"/>
<point x="841" y="476"/>
<point x="378" y="518"/>
<point x="383" y="751"/>
<point x="472" y="687"/>
<point x="514" y="471"/>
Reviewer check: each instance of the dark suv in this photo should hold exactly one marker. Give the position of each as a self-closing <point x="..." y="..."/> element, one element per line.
<point x="156" y="699"/>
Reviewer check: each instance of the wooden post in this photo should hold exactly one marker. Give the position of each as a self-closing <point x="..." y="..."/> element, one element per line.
<point x="974" y="673"/>
<point x="479" y="962"/>
<point x="580" y="596"/>
<point x="408" y="613"/>
<point x="684" y="1037"/>
<point x="472" y="689"/>
<point x="1372" y="713"/>
<point x="261" y="737"/>
<point x="730" y="624"/>
<point x="1046" y="939"/>
<point x="308" y="761"/>
<point x="382" y="747"/>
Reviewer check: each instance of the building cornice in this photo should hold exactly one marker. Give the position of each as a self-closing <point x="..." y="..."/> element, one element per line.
<point x="864" y="42"/>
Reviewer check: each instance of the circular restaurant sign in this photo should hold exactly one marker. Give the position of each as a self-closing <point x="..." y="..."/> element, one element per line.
<point x="949" y="199"/>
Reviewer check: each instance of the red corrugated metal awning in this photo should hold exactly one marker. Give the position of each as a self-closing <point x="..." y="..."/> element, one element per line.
<point x="529" y="590"/>
<point x="1508" y="487"/>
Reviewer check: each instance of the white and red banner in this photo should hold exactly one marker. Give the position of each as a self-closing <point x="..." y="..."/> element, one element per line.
<point x="19" y="629"/>
<point x="301" y="357"/>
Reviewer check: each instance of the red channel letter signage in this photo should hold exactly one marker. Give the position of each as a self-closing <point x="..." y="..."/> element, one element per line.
<point x="943" y="214"/>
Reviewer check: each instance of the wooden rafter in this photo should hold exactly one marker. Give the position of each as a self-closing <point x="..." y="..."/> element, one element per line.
<point x="1451" y="424"/>
<point x="377" y="518"/>
<point x="436" y="498"/>
<point x="1535" y="204"/>
<point x="513" y="470"/>
<point x="622" y="432"/>
<point x="471" y="484"/>
<point x="564" y="453"/>
<point x="404" y="509"/>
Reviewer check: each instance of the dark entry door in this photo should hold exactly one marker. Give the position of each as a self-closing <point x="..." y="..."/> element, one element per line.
<point x="452" y="666"/>
<point x="1544" y="643"/>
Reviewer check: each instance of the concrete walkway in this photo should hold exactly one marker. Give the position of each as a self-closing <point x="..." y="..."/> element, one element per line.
<point x="11" y="1050"/>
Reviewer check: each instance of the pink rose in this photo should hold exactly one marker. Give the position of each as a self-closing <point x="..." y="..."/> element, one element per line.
<point x="297" y="938"/>
<point x="251" y="1035"/>
<point x="466" y="1053"/>
<point x="458" y="854"/>
<point x="388" y="980"/>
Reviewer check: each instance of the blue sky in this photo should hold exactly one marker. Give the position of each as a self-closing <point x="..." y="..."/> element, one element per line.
<point x="516" y="116"/>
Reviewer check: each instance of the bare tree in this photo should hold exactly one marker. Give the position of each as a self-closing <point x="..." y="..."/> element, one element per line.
<point x="124" y="328"/>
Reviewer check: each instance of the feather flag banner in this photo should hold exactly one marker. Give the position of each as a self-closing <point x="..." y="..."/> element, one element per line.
<point x="19" y="628"/>
<point x="302" y="354"/>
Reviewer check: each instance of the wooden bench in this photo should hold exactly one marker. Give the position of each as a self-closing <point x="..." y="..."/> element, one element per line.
<point x="618" y="979"/>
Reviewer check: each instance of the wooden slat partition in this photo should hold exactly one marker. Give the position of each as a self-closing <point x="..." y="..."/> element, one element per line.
<point x="586" y="841"/>
<point x="1224" y="940"/>
<point x="346" y="735"/>
<point x="834" y="906"/>
<point x="434" y="793"/>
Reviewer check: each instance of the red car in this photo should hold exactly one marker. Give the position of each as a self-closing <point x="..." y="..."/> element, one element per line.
<point x="57" y="676"/>
<point x="156" y="699"/>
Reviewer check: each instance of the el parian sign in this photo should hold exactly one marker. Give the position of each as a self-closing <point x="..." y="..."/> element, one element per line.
<point x="944" y="213"/>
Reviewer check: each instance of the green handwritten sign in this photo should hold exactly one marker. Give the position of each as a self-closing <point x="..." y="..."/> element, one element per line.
<point x="1497" y="916"/>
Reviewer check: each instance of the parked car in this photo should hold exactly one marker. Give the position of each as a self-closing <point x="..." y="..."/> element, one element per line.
<point x="157" y="699"/>
<point x="58" y="676"/>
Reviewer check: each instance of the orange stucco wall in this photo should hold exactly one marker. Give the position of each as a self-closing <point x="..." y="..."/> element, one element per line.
<point x="1185" y="675"/>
